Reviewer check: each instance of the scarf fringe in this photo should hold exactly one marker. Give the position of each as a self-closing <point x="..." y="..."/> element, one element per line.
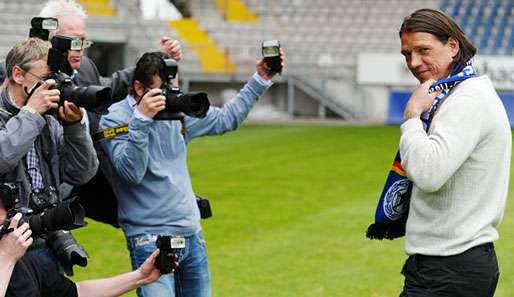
<point x="389" y="231"/>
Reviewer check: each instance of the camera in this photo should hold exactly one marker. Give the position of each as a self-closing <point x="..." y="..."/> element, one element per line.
<point x="49" y="214"/>
<point x="192" y="104"/>
<point x="166" y="261"/>
<point x="93" y="98"/>
<point x="47" y="218"/>
<point x="271" y="54"/>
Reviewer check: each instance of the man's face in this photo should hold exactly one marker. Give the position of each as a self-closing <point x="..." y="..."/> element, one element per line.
<point x="156" y="82"/>
<point x="38" y="71"/>
<point x="141" y="89"/>
<point x="73" y="25"/>
<point x="426" y="56"/>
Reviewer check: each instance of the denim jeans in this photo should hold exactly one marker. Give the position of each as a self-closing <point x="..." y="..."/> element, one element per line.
<point x="473" y="273"/>
<point x="192" y="278"/>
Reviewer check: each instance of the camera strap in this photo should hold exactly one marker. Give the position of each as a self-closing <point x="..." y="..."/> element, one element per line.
<point x="110" y="133"/>
<point x="10" y="114"/>
<point x="113" y="132"/>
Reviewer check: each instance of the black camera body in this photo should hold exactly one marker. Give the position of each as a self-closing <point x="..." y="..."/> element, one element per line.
<point x="271" y="54"/>
<point x="93" y="98"/>
<point x="47" y="218"/>
<point x="179" y="103"/>
<point x="45" y="212"/>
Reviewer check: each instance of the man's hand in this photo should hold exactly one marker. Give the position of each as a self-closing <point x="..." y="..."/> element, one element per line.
<point x="44" y="97"/>
<point x="263" y="69"/>
<point x="171" y="47"/>
<point x="147" y="271"/>
<point x="151" y="103"/>
<point x="420" y="100"/>
<point x="70" y="113"/>
<point x="13" y="245"/>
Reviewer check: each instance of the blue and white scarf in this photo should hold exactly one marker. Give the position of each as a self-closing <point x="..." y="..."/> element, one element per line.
<point x="393" y="205"/>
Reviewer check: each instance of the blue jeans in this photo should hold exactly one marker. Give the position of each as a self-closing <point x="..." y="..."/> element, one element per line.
<point x="192" y="278"/>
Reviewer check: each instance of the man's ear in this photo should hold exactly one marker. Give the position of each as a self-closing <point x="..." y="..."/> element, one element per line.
<point x="454" y="45"/>
<point x="139" y="88"/>
<point x="18" y="75"/>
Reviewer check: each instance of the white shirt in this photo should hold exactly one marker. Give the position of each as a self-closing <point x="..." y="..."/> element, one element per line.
<point x="460" y="171"/>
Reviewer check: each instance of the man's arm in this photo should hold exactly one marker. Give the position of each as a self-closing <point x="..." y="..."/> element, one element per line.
<point x="128" y="153"/>
<point x="17" y="137"/>
<point x="430" y="160"/>
<point x="229" y="117"/>
<point x="115" y="286"/>
<point x="13" y="246"/>
<point x="118" y="82"/>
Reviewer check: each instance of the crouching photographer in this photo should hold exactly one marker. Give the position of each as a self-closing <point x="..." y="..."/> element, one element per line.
<point x="40" y="150"/>
<point x="33" y="275"/>
<point x="13" y="246"/>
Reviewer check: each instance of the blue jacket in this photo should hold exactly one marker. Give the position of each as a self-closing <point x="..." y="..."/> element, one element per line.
<point x="151" y="179"/>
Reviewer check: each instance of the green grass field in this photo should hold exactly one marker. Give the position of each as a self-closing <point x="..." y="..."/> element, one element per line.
<point x="291" y="204"/>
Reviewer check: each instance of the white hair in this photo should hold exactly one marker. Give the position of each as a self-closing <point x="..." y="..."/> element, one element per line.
<point x="58" y="8"/>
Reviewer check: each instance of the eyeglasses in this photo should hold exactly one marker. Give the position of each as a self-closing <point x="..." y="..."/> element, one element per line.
<point x="40" y="78"/>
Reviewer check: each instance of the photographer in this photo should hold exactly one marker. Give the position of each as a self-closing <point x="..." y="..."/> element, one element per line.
<point x="35" y="276"/>
<point x="72" y="22"/>
<point x="13" y="246"/>
<point x="151" y="178"/>
<point x="39" y="151"/>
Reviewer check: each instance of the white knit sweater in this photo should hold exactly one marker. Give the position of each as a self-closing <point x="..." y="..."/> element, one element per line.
<point x="460" y="171"/>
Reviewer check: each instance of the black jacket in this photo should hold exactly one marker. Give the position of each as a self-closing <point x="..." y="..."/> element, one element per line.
<point x="97" y="196"/>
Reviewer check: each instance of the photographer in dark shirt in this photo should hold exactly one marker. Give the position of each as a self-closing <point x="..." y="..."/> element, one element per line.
<point x="38" y="277"/>
<point x="13" y="246"/>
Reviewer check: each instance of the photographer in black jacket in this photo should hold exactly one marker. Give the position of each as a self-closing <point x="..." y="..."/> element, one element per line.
<point x="72" y="22"/>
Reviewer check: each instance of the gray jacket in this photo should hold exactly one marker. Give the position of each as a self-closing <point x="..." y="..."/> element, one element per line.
<point x="66" y="153"/>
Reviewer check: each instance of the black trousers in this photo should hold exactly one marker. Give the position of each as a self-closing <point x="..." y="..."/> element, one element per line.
<point x="473" y="273"/>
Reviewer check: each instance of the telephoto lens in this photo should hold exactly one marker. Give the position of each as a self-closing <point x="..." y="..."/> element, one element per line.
<point x="66" y="215"/>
